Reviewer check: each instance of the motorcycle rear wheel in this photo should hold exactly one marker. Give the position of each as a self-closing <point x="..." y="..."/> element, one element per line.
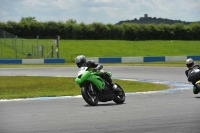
<point x="196" y="89"/>
<point x="91" y="97"/>
<point x="119" y="98"/>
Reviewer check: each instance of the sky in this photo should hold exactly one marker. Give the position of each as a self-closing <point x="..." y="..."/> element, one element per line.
<point x="103" y="11"/>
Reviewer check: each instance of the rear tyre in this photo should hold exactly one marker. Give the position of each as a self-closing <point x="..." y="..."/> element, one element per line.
<point x="91" y="97"/>
<point x="196" y="89"/>
<point x="119" y="97"/>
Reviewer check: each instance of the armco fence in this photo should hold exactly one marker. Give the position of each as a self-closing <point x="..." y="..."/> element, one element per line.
<point x="103" y="59"/>
<point x="142" y="59"/>
<point x="31" y="61"/>
<point x="13" y="47"/>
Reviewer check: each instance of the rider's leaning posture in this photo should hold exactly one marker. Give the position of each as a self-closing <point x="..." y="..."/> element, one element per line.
<point x="91" y="64"/>
<point x="191" y="65"/>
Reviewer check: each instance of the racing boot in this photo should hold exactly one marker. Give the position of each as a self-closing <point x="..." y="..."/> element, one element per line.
<point x="115" y="88"/>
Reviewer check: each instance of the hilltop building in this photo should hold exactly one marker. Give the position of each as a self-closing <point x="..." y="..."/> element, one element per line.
<point x="154" y="20"/>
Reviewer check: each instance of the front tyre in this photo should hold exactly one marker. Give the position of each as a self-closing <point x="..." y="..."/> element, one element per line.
<point x="91" y="97"/>
<point x="119" y="97"/>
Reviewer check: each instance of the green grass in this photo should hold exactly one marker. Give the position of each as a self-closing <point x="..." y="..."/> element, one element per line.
<point x="9" y="53"/>
<point x="115" y="48"/>
<point x="37" y="86"/>
<point x="69" y="49"/>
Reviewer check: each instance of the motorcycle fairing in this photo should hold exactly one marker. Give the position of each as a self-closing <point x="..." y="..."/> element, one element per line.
<point x="85" y="75"/>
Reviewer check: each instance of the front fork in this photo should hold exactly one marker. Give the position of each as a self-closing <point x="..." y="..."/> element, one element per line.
<point x="91" y="88"/>
<point x="91" y="93"/>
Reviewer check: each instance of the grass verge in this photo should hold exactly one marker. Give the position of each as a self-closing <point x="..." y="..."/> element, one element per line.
<point x="36" y="86"/>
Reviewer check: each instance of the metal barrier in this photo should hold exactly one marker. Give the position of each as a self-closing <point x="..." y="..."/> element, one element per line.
<point x="13" y="47"/>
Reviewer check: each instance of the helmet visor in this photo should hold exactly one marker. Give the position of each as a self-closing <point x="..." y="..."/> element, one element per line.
<point x="80" y="63"/>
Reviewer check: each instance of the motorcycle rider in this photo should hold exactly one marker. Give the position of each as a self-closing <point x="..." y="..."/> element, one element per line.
<point x="81" y="62"/>
<point x="191" y="65"/>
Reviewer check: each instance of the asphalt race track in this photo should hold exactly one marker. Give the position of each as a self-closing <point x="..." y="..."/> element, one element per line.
<point x="155" y="112"/>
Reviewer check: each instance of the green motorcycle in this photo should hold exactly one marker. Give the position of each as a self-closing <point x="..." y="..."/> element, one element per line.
<point x="95" y="89"/>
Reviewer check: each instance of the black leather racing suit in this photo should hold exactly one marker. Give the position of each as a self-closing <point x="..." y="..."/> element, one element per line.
<point x="97" y="66"/>
<point x="188" y="71"/>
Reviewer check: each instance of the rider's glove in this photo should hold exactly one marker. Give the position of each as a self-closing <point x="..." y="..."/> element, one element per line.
<point x="95" y="70"/>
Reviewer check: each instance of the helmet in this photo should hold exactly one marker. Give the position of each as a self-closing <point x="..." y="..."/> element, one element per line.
<point x="80" y="61"/>
<point x="189" y="62"/>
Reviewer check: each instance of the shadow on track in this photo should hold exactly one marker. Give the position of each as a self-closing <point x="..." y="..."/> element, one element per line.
<point x="109" y="104"/>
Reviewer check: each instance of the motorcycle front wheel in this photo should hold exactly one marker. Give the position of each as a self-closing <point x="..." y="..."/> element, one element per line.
<point x="91" y="97"/>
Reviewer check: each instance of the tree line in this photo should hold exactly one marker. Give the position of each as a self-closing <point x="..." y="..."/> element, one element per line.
<point x="30" y="28"/>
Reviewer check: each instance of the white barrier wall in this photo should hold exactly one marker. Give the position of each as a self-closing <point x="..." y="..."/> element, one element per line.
<point x="96" y="59"/>
<point x="32" y="61"/>
<point x="175" y="58"/>
<point x="102" y="59"/>
<point x="132" y="59"/>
